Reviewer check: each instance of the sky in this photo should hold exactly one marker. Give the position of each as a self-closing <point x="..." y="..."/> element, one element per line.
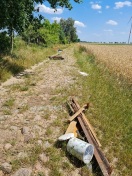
<point x="96" y="21"/>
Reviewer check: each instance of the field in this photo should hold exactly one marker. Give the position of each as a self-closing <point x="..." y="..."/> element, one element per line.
<point x="37" y="102"/>
<point x="118" y="58"/>
<point x="110" y="97"/>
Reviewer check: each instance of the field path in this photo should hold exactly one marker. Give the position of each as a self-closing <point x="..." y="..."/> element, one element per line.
<point x="30" y="107"/>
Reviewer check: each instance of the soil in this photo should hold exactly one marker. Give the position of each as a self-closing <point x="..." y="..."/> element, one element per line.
<point x="30" y="103"/>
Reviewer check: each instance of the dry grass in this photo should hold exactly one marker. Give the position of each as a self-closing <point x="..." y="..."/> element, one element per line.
<point x="110" y="111"/>
<point x="24" y="56"/>
<point x="118" y="58"/>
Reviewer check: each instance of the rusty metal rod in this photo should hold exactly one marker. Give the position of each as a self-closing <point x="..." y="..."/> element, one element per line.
<point x="101" y="159"/>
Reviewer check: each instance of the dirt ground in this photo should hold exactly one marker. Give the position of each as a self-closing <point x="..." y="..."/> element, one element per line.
<point x="31" y="112"/>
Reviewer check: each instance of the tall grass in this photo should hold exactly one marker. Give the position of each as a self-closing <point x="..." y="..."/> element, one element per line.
<point x="23" y="57"/>
<point x="110" y="112"/>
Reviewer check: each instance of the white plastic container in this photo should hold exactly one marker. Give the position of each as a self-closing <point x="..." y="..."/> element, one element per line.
<point x="80" y="149"/>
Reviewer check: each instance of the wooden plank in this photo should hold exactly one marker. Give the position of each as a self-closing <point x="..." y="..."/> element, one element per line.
<point x="72" y="128"/>
<point x="78" y="112"/>
<point x="91" y="129"/>
<point x="87" y="121"/>
<point x="101" y="159"/>
<point x="96" y="154"/>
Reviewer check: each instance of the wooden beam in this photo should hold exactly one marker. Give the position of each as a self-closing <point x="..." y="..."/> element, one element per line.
<point x="99" y="156"/>
<point x="78" y="112"/>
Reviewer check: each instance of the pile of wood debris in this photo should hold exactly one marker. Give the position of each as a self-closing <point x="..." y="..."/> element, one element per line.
<point x="79" y="124"/>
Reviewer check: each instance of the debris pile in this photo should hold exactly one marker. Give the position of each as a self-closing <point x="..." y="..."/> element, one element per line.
<point x="58" y="56"/>
<point x="84" y="150"/>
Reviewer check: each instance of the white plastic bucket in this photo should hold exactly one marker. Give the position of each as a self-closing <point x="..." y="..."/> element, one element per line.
<point x="80" y="149"/>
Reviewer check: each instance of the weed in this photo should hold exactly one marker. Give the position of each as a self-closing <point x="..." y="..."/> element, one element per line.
<point x="48" y="132"/>
<point x="7" y="112"/>
<point x="15" y="87"/>
<point x="23" y="108"/>
<point x="24" y="88"/>
<point x="55" y="172"/>
<point x="82" y="49"/>
<point x="13" y="142"/>
<point x="40" y="174"/>
<point x="9" y="103"/>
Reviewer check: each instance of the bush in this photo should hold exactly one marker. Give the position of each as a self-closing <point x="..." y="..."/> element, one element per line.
<point x="82" y="49"/>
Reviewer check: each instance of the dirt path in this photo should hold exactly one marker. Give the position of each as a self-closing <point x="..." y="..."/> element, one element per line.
<point x="32" y="117"/>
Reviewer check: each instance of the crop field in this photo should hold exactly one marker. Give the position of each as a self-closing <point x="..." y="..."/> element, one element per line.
<point x="110" y="97"/>
<point x="118" y="58"/>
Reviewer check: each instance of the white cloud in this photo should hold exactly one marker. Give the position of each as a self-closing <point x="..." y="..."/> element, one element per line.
<point x="112" y="22"/>
<point x="79" y="32"/>
<point x="45" y="9"/>
<point x="108" y="30"/>
<point x="56" y="19"/>
<point x="107" y="7"/>
<point x="80" y="24"/>
<point x="96" y="6"/>
<point x="119" y="5"/>
<point x="99" y="11"/>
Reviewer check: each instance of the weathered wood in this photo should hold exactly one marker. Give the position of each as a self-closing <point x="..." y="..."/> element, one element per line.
<point x="72" y="128"/>
<point x="86" y="120"/>
<point x="78" y="112"/>
<point x="100" y="158"/>
<point x="56" y="57"/>
<point x="91" y="129"/>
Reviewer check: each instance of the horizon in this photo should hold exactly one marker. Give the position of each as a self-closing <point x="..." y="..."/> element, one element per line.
<point x="99" y="21"/>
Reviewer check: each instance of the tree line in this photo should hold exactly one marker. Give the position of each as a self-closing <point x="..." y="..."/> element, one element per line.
<point x="17" y="17"/>
<point x="42" y="32"/>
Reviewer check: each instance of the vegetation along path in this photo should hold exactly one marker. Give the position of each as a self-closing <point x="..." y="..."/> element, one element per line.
<point x="33" y="115"/>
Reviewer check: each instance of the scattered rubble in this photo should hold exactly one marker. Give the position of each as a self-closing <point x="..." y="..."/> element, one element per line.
<point x="83" y="73"/>
<point x="6" y="168"/>
<point x="23" y="172"/>
<point x="7" y="146"/>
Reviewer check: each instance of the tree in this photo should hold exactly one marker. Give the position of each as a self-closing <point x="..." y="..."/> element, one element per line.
<point x="31" y="34"/>
<point x="16" y="15"/>
<point x="69" y="30"/>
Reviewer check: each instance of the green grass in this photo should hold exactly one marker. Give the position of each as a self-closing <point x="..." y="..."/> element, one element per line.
<point x="24" y="56"/>
<point x="9" y="103"/>
<point x="110" y="113"/>
<point x="33" y="154"/>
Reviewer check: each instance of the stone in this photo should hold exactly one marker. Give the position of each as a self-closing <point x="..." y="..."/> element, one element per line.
<point x="37" y="118"/>
<point x="46" y="145"/>
<point x="28" y="137"/>
<point x="1" y="173"/>
<point x="40" y="142"/>
<point x="25" y="130"/>
<point x="23" y="172"/>
<point x="6" y="168"/>
<point x="22" y="155"/>
<point x="7" y="146"/>
<point x="3" y="117"/>
<point x="43" y="158"/>
<point x="75" y="173"/>
<point x="38" y="166"/>
<point x="15" y="128"/>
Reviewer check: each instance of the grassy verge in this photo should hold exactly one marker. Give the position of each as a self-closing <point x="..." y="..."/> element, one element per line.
<point x="110" y="111"/>
<point x="23" y="57"/>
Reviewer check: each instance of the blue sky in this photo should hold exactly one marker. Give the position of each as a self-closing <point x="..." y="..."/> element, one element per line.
<point x="99" y="21"/>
